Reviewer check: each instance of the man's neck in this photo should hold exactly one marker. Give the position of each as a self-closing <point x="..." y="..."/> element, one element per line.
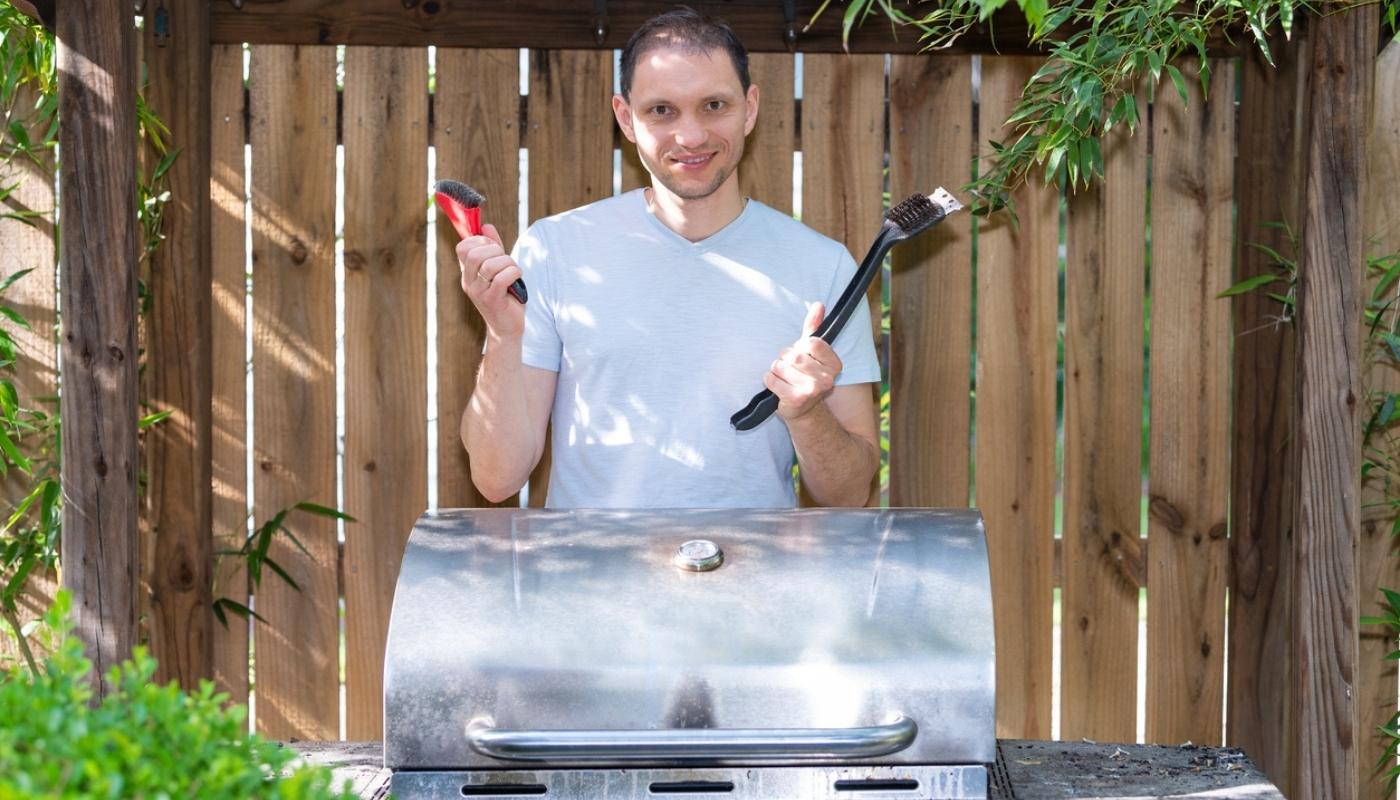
<point x="696" y="219"/>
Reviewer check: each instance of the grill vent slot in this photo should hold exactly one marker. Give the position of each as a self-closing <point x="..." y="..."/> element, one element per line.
<point x="692" y="787"/>
<point x="503" y="789"/>
<point x="876" y="785"/>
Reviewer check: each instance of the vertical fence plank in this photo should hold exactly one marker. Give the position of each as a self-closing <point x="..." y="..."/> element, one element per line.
<point x="843" y="147"/>
<point x="1103" y="445"/>
<point x="29" y="244"/>
<point x="293" y="137"/>
<point x="229" y="375"/>
<point x="1331" y="267"/>
<point x="386" y="444"/>
<point x="1015" y="484"/>
<point x="765" y="174"/>
<point x="843" y="151"/>
<point x="97" y="74"/>
<point x="1263" y="471"/>
<point x="571" y="146"/>
<point x="1191" y="232"/>
<point x="1377" y="557"/>
<point x="477" y="138"/>
<point x="931" y="286"/>
<point x="178" y="353"/>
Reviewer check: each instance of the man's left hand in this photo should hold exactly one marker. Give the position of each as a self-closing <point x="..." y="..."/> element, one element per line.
<point x="804" y="373"/>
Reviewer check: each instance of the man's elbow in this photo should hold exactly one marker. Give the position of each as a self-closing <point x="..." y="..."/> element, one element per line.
<point x="493" y="488"/>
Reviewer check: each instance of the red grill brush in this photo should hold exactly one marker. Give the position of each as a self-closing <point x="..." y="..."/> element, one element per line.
<point x="462" y="205"/>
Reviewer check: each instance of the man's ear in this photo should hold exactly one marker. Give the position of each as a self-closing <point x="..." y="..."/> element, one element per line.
<point x="623" y="112"/>
<point x="750" y="109"/>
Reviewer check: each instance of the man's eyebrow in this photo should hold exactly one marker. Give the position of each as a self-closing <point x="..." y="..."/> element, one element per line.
<point x="648" y="102"/>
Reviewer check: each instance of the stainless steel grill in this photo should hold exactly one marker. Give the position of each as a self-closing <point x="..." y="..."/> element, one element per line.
<point x="711" y="654"/>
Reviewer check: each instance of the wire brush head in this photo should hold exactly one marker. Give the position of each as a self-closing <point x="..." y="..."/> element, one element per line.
<point x="460" y="192"/>
<point x="919" y="212"/>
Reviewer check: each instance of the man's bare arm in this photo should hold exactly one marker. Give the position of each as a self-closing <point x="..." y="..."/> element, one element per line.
<point x="833" y="427"/>
<point x="504" y="425"/>
<point x="837" y="453"/>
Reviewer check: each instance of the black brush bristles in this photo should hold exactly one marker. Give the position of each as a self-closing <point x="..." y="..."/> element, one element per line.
<point x="915" y="214"/>
<point x="460" y="192"/>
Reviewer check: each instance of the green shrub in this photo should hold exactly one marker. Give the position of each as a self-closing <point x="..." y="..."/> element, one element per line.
<point x="142" y="740"/>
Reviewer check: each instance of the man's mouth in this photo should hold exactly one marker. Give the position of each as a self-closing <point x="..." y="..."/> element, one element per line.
<point x="693" y="161"/>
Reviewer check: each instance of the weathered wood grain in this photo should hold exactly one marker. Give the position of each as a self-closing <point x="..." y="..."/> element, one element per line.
<point x="571" y="147"/>
<point x="765" y="174"/>
<point x="1192" y="186"/>
<point x="931" y="286"/>
<point x="1015" y="450"/>
<point x="292" y="92"/>
<point x="386" y="437"/>
<point x="178" y="357"/>
<point x="843" y="146"/>
<point x="228" y="329"/>
<point x="477" y="135"/>
<point x="97" y="181"/>
<point x="761" y="24"/>
<point x="1327" y="519"/>
<point x="1377" y="553"/>
<point x="1269" y="185"/>
<point x="1103" y="444"/>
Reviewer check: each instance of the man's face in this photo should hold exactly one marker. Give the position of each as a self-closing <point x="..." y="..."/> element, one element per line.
<point x="688" y="115"/>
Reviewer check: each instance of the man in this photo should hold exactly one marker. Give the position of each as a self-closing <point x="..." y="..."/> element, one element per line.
<point x="654" y="315"/>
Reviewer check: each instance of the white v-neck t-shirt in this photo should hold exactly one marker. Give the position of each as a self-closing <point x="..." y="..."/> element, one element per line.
<point x="658" y="340"/>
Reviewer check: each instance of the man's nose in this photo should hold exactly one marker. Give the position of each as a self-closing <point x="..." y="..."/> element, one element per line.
<point x="690" y="133"/>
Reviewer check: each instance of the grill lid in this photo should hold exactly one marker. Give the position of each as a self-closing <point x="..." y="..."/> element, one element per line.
<point x="588" y="638"/>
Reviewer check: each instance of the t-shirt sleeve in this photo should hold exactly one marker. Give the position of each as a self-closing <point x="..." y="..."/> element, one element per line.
<point x="855" y="345"/>
<point x="540" y="346"/>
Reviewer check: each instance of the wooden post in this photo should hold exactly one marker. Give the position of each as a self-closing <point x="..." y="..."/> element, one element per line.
<point x="1327" y="515"/>
<point x="97" y="134"/>
<point x="1269" y="181"/>
<point x="1378" y="558"/>
<point x="178" y="351"/>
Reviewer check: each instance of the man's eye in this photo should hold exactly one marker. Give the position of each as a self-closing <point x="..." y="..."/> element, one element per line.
<point x="715" y="105"/>
<point x="660" y="111"/>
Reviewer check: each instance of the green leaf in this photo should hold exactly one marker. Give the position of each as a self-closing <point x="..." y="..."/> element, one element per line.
<point x="164" y="166"/>
<point x="15" y="317"/>
<point x="281" y="573"/>
<point x="324" y="511"/>
<point x="1250" y="284"/>
<point x="1179" y="83"/>
<point x="1035" y="11"/>
<point x="12" y="452"/>
<point x="151" y="419"/>
<point x="12" y="277"/>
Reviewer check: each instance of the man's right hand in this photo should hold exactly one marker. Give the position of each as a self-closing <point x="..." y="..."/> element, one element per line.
<point x="487" y="272"/>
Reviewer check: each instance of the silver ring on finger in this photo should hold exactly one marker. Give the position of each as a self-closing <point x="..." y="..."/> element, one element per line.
<point x="482" y="277"/>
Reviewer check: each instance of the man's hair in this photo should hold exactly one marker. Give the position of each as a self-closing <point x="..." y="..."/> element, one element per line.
<point x="688" y="30"/>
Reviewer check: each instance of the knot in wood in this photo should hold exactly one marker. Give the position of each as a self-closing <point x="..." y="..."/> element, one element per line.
<point x="299" y="251"/>
<point x="1165" y="512"/>
<point x="354" y="262"/>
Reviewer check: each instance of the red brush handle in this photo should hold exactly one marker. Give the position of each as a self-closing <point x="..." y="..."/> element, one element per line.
<point x="467" y="221"/>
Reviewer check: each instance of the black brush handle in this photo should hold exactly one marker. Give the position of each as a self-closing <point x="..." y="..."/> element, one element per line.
<point x="763" y="404"/>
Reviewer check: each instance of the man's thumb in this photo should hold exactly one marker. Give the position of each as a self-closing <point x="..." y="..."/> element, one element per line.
<point x="492" y="233"/>
<point x="815" y="313"/>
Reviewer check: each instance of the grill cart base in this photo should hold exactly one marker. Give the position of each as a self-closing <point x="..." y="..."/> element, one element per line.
<point x="1025" y="770"/>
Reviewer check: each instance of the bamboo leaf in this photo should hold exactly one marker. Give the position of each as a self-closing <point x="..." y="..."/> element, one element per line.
<point x="1249" y="284"/>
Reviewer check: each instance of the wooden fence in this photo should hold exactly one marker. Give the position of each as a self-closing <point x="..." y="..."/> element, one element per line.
<point x="981" y="352"/>
<point x="568" y="133"/>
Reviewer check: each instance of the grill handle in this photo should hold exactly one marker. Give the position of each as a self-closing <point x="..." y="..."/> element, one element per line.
<point x="698" y="743"/>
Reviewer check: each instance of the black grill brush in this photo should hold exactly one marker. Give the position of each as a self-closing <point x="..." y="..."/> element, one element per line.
<point x="902" y="222"/>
